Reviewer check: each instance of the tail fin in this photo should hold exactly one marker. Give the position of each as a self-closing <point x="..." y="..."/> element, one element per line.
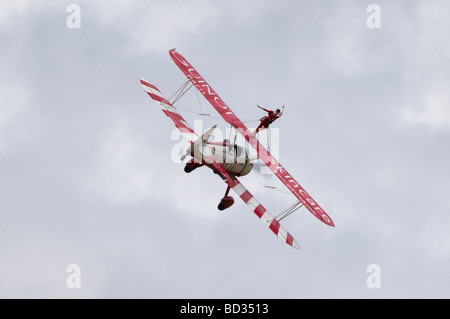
<point x="207" y="135"/>
<point x="196" y="148"/>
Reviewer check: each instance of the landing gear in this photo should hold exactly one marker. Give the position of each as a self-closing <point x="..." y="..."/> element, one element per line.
<point x="191" y="165"/>
<point x="226" y="201"/>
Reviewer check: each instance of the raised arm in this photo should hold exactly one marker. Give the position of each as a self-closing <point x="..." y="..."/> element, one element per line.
<point x="262" y="108"/>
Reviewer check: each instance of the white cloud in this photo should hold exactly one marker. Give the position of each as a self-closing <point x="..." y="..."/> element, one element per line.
<point x="426" y="55"/>
<point x="434" y="109"/>
<point x="125" y="167"/>
<point x="11" y="13"/>
<point x="153" y="27"/>
<point x="14" y="104"/>
<point x="14" y="15"/>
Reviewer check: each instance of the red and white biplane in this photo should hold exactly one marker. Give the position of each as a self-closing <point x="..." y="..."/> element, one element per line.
<point x="228" y="160"/>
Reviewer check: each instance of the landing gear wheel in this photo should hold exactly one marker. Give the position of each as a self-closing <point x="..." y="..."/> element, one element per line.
<point x="225" y="203"/>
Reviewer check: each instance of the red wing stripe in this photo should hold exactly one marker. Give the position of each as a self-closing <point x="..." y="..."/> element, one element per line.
<point x="260" y="210"/>
<point x="156" y="97"/>
<point x="246" y="196"/>
<point x="289" y="239"/>
<point x="179" y="122"/>
<point x="275" y="226"/>
<point x="149" y="85"/>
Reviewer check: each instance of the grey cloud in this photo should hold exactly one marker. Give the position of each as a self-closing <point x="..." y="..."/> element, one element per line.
<point x="86" y="174"/>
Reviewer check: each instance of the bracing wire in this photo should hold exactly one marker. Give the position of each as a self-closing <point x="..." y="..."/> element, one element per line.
<point x="180" y="91"/>
<point x="266" y="186"/>
<point x="203" y="114"/>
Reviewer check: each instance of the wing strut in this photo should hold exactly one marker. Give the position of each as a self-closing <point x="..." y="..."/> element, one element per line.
<point x="180" y="92"/>
<point x="289" y="210"/>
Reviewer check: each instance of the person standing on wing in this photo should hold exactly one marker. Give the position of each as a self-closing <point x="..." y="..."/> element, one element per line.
<point x="269" y="119"/>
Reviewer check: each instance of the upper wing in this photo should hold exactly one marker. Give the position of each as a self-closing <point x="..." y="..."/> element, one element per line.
<point x="262" y="152"/>
<point x="169" y="110"/>
<point x="205" y="89"/>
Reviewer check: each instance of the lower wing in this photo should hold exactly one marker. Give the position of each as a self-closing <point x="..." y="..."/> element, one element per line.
<point x="254" y="204"/>
<point x="168" y="109"/>
<point x="261" y="212"/>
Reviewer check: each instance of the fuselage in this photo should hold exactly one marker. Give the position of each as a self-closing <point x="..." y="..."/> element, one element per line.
<point x="232" y="157"/>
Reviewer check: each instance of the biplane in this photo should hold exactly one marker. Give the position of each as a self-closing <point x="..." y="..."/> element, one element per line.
<point x="229" y="160"/>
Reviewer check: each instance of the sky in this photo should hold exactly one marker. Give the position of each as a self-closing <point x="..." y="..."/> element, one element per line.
<point x="87" y="177"/>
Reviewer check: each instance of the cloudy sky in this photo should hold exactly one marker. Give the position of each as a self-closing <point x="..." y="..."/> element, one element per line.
<point x="87" y="178"/>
